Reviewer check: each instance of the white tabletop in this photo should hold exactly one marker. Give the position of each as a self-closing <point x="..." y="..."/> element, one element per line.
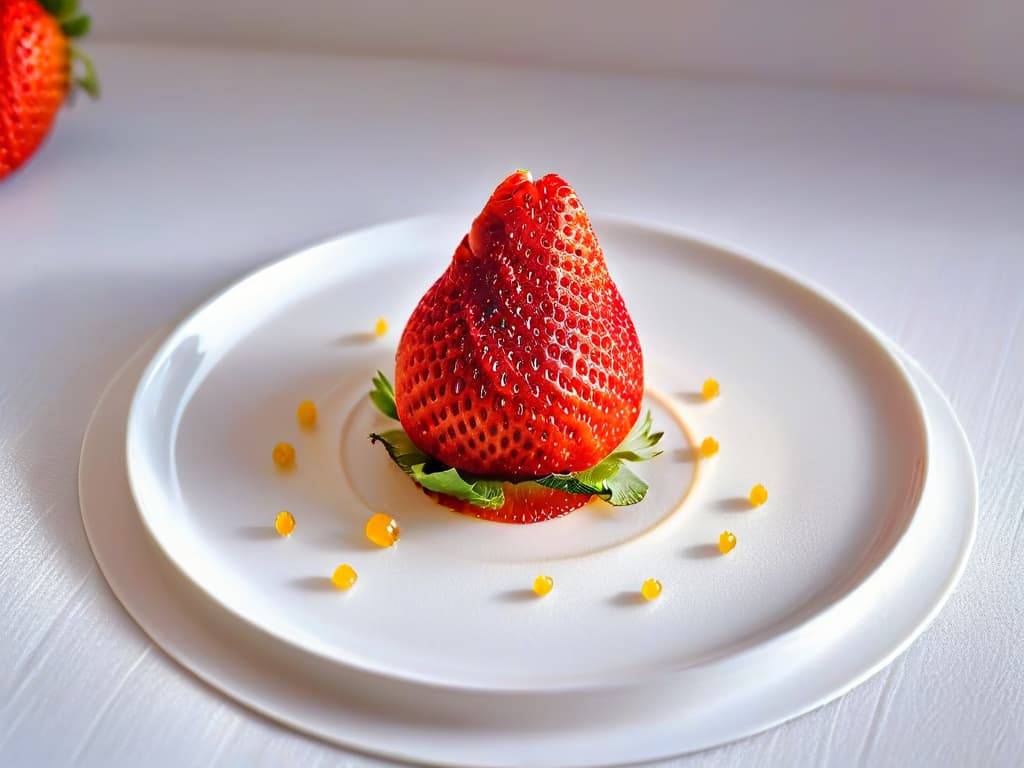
<point x="198" y="166"/>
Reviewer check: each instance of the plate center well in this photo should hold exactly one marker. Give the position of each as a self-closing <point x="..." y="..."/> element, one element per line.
<point x="381" y="486"/>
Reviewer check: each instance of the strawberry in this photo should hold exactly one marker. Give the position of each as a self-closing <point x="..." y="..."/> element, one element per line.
<point x="36" y="77"/>
<point x="521" y="361"/>
<point x="524" y="503"/>
<point x="519" y="375"/>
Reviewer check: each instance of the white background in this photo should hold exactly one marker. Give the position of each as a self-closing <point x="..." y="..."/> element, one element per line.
<point x="952" y="46"/>
<point x="198" y="166"/>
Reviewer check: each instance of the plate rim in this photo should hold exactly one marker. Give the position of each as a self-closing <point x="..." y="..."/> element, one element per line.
<point x="221" y="681"/>
<point x="884" y="349"/>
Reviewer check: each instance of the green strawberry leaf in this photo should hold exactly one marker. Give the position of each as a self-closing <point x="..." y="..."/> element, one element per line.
<point x="416" y="464"/>
<point x="625" y="488"/>
<point x="401" y="449"/>
<point x="572" y="484"/>
<point x="76" y="27"/>
<point x="60" y="9"/>
<point x="639" y="443"/>
<point x="383" y="396"/>
<point x="480" y="493"/>
<point x="609" y="478"/>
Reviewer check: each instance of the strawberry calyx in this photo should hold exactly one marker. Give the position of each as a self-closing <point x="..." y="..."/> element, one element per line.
<point x="609" y="479"/>
<point x="75" y="25"/>
<point x="88" y="79"/>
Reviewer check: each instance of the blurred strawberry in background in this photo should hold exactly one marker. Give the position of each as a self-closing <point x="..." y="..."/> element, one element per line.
<point x="38" y="66"/>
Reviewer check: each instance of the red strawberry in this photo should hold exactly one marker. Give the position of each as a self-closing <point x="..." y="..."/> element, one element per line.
<point x="521" y="360"/>
<point x="524" y="503"/>
<point x="35" y="72"/>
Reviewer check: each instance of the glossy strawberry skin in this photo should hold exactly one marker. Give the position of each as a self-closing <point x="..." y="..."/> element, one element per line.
<point x="521" y="360"/>
<point x="524" y="503"/>
<point x="34" y="79"/>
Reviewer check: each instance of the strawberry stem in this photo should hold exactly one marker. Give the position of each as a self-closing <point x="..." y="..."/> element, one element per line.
<point x="88" y="81"/>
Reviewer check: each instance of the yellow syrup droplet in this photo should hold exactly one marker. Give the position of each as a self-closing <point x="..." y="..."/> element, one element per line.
<point x="284" y="523"/>
<point x="726" y="542"/>
<point x="284" y="455"/>
<point x="306" y="413"/>
<point x="758" y="495"/>
<point x="650" y="589"/>
<point x="382" y="530"/>
<point x="709" y="447"/>
<point x="344" y="576"/>
<point x="542" y="585"/>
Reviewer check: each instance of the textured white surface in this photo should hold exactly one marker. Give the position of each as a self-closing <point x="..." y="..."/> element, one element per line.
<point x="946" y="46"/>
<point x="198" y="166"/>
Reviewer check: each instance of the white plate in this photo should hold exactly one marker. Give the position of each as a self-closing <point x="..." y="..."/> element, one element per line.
<point x="814" y="406"/>
<point x="411" y="722"/>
